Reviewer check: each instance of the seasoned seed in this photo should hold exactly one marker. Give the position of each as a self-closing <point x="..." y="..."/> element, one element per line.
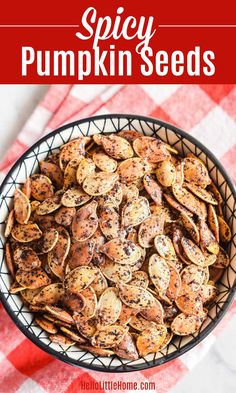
<point x="135" y="297"/>
<point x="22" y="207"/>
<point x="104" y="162"/>
<point x="74" y="197"/>
<point x="51" y="294"/>
<point x="99" y="183"/>
<point x="109" y="307"/>
<point x="41" y="187"/>
<point x="46" y="325"/>
<point x="26" y="258"/>
<point x="53" y="172"/>
<point x="9" y="223"/>
<point x="159" y="272"/>
<point x="183" y="324"/>
<point x="116" y="146"/>
<point x="149" y="229"/>
<point x="108" y="336"/>
<point x="132" y="169"/>
<point x="225" y="231"/>
<point x="134" y="212"/>
<point x="121" y="251"/>
<point x="151" y="149"/>
<point x="166" y="173"/>
<point x="85" y="222"/>
<point x="151" y="339"/>
<point x="85" y="168"/>
<point x="80" y="278"/>
<point x="25" y="233"/>
<point x="153" y="188"/>
<point x="33" y="279"/>
<point x="195" y="172"/>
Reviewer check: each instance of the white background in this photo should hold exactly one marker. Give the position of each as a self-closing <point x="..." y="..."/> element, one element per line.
<point x="216" y="373"/>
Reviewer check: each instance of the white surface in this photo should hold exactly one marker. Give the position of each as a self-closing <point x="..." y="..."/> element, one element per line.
<point x="16" y="104"/>
<point x="216" y="372"/>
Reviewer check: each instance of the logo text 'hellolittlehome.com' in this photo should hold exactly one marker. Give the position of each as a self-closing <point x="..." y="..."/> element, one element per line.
<point x="104" y="31"/>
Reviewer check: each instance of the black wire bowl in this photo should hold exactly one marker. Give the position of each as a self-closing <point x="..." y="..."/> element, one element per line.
<point x="28" y="164"/>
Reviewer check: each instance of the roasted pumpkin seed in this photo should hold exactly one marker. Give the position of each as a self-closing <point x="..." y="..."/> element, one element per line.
<point x="81" y="253"/>
<point x="192" y="277"/>
<point x="195" y="172"/>
<point x="59" y="313"/>
<point x="41" y="187"/>
<point x="193" y="252"/>
<point x="74" y="197"/>
<point x="190" y="303"/>
<point x="225" y="231"/>
<point x="121" y="251"/>
<point x="9" y="223"/>
<point x="159" y="272"/>
<point x="90" y="304"/>
<point x="151" y="149"/>
<point x="46" y="325"/>
<point x="9" y="259"/>
<point x="132" y="169"/>
<point x="26" y="188"/>
<point x="126" y="349"/>
<point x="26" y="258"/>
<point x="151" y="339"/>
<point x="49" y="205"/>
<point x="116" y="146"/>
<point x="33" y="279"/>
<point x="69" y="179"/>
<point x="139" y="323"/>
<point x="51" y="294"/>
<point x="104" y="162"/>
<point x="208" y="293"/>
<point x="73" y="149"/>
<point x="108" y="336"/>
<point x="85" y="168"/>
<point x="164" y="247"/>
<point x="135" y="297"/>
<point x="99" y="183"/>
<point x="166" y="173"/>
<point x="116" y="272"/>
<point x="25" y="233"/>
<point x="187" y="199"/>
<point x="109" y="222"/>
<point x="62" y="340"/>
<point x="222" y="260"/>
<point x="139" y="279"/>
<point x="53" y="172"/>
<point x="22" y="207"/>
<point x="149" y="229"/>
<point x="183" y="324"/>
<point x="208" y="240"/>
<point x="191" y="227"/>
<point x="201" y="193"/>
<point x="155" y="313"/>
<point x="213" y="222"/>
<point x="85" y="222"/>
<point x="109" y="307"/>
<point x="80" y="278"/>
<point x="134" y="212"/>
<point x="176" y="205"/>
<point x="153" y="188"/>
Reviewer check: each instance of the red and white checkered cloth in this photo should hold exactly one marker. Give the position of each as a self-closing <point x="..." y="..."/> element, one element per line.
<point x="208" y="112"/>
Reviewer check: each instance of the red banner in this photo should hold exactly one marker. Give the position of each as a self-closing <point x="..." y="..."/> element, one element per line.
<point x="118" y="42"/>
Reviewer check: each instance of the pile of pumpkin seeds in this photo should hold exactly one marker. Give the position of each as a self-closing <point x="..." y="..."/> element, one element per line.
<point x="117" y="244"/>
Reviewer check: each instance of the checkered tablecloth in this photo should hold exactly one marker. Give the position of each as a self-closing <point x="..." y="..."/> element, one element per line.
<point x="208" y="112"/>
